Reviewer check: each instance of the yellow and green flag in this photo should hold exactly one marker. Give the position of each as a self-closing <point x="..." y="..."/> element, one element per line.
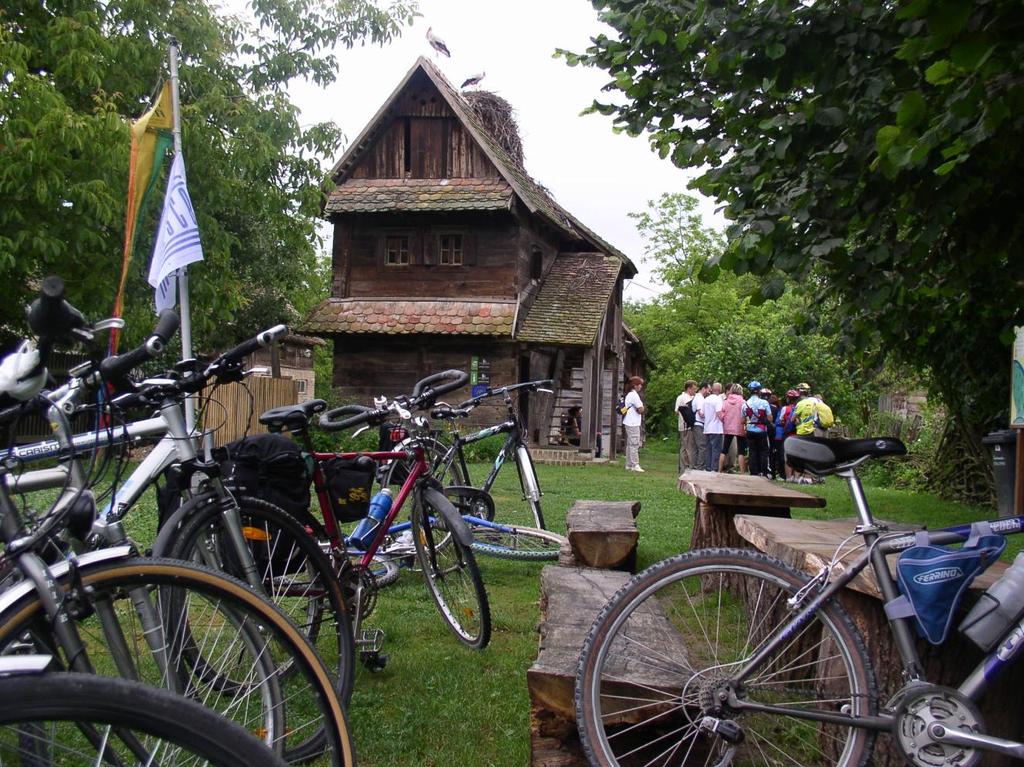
<point x="151" y="138"/>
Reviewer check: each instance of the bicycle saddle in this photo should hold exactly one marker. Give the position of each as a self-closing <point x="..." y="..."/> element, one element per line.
<point x="823" y="455"/>
<point x="292" y="417"/>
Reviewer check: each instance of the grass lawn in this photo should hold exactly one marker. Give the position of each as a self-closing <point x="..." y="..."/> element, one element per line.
<point x="438" y="703"/>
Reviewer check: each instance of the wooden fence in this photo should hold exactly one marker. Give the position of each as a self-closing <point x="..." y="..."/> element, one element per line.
<point x="234" y="409"/>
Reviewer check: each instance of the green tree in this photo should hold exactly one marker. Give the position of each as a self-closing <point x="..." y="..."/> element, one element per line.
<point x="718" y="328"/>
<point x="868" y="150"/>
<point x="74" y="72"/>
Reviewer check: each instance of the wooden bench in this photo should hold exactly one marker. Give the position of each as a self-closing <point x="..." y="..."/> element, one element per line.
<point x="720" y="497"/>
<point x="602" y="534"/>
<point x="808" y="545"/>
<point x="570" y="600"/>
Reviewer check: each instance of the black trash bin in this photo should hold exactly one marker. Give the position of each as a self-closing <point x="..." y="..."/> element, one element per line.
<point x="1003" y="445"/>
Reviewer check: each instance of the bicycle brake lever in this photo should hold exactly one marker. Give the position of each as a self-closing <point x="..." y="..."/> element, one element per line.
<point x="107" y="324"/>
<point x="404" y="414"/>
<point x="360" y="430"/>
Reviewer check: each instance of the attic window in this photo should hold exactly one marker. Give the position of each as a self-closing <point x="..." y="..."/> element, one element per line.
<point x="450" y="250"/>
<point x="396" y="250"/>
<point x="536" y="263"/>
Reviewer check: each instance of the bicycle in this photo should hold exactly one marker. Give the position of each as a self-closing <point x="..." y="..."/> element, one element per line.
<point x="171" y="624"/>
<point x="262" y="535"/>
<point x="449" y="460"/>
<point x="730" y="656"/>
<point x="451" y="572"/>
<point x="66" y="719"/>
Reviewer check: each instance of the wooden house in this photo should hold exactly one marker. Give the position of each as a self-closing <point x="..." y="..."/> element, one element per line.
<point x="447" y="254"/>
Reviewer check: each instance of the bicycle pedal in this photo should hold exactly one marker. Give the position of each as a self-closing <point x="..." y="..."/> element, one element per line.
<point x="373" y="661"/>
<point x="370" y="640"/>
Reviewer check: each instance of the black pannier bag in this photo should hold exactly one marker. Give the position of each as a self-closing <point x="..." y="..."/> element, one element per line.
<point x="349" y="483"/>
<point x="271" y="467"/>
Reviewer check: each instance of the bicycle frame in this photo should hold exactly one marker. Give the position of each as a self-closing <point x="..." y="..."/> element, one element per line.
<point x="879" y="543"/>
<point x="419" y="469"/>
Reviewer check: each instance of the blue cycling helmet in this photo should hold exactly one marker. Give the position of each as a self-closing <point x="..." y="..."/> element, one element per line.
<point x="754" y="386"/>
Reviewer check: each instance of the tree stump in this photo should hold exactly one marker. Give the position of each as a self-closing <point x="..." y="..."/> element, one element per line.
<point x="602" y="534"/>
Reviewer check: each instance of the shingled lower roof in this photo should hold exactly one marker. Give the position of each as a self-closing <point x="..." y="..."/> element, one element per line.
<point x="426" y="194"/>
<point x="572" y="300"/>
<point x="402" y="316"/>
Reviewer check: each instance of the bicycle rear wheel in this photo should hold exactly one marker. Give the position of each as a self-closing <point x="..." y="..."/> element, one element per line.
<point x="204" y="635"/>
<point x="663" y="653"/>
<point x="509" y="542"/>
<point x="68" y="720"/>
<point x="450" y="570"/>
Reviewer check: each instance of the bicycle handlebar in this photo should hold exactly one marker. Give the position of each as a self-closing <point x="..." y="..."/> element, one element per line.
<point x="247" y="347"/>
<point x="360" y="414"/>
<point x="472" y="402"/>
<point x="424" y="392"/>
<point x="50" y="316"/>
<point x="117" y="367"/>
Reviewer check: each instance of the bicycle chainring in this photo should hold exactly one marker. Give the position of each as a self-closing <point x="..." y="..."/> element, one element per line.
<point x="919" y="708"/>
<point x="350" y="578"/>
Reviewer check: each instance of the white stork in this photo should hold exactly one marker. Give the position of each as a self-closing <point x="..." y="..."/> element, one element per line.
<point x="437" y="43"/>
<point x="474" y="80"/>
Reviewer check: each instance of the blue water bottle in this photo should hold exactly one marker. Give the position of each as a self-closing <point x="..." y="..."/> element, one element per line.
<point x="380" y="505"/>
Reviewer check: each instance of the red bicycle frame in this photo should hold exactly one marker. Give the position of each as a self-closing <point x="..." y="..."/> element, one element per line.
<point x="419" y="469"/>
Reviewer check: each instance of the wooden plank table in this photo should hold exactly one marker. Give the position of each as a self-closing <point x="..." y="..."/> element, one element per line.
<point x="808" y="545"/>
<point x="720" y="497"/>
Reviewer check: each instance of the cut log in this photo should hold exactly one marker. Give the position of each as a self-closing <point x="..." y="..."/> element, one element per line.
<point x="571" y="599"/>
<point x="603" y="534"/>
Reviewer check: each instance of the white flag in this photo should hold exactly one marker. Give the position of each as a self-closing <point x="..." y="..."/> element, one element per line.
<point x="177" y="239"/>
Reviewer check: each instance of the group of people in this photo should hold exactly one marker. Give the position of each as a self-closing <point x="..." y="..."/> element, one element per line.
<point x="712" y="417"/>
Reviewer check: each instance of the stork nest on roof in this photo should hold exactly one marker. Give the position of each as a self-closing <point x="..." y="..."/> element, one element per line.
<point x="499" y="119"/>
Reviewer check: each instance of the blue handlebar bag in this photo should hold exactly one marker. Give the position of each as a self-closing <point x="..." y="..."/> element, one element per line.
<point x="933" y="579"/>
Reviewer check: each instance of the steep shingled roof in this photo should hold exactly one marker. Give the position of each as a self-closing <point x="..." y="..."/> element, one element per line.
<point x="535" y="197"/>
<point x="572" y="300"/>
<point x="384" y="194"/>
<point x="404" y="316"/>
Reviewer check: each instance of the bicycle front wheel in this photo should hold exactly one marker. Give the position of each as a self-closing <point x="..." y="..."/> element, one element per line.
<point x="663" y="654"/>
<point x="522" y="543"/>
<point x="69" y="720"/>
<point x="204" y="635"/>
<point x="450" y="570"/>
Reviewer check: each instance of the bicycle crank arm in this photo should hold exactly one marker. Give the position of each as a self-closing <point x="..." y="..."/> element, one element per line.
<point x="942" y="734"/>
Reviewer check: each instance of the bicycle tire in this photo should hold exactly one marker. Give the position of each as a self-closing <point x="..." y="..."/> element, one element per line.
<point x="298" y="714"/>
<point x="529" y="483"/>
<point x="434" y="451"/>
<point x="296" y="574"/>
<point x="654" y="664"/>
<point x="57" y="720"/>
<point x="450" y="571"/>
<point x="521" y="543"/>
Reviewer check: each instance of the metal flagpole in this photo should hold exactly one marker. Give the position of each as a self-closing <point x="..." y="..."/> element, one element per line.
<point x="186" y="316"/>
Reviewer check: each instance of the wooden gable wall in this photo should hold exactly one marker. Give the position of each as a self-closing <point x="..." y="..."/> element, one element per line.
<point x="423" y="138"/>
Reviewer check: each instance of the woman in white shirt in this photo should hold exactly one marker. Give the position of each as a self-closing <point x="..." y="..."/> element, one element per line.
<point x="632" y="420"/>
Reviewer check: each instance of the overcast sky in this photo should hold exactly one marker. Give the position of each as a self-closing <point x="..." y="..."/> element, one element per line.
<point x="600" y="177"/>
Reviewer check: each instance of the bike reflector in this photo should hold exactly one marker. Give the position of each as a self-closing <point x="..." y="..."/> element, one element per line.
<point x="933" y="579"/>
